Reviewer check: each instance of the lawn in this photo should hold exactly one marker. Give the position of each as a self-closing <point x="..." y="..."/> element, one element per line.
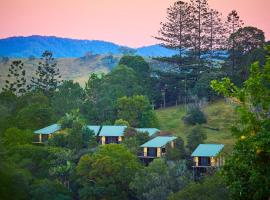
<point x="220" y="118"/>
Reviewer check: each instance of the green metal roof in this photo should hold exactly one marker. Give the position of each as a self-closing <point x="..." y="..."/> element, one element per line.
<point x="159" y="141"/>
<point x="95" y="129"/>
<point x="150" y="131"/>
<point x="112" y="131"/>
<point x="207" y="150"/>
<point x="49" y="129"/>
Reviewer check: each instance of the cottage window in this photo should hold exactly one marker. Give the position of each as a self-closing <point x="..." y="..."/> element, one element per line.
<point x="204" y="161"/>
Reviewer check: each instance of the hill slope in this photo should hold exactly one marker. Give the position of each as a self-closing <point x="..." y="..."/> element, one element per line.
<point x="220" y="115"/>
<point x="24" y="47"/>
<point x="77" y="69"/>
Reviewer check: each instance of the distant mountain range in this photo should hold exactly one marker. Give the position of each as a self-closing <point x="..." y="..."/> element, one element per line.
<point x="24" y="47"/>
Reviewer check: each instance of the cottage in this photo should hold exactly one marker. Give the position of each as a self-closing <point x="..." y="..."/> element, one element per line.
<point x="94" y="128"/>
<point x="156" y="147"/>
<point x="111" y="134"/>
<point x="42" y="135"/>
<point x="207" y="156"/>
<point x="150" y="131"/>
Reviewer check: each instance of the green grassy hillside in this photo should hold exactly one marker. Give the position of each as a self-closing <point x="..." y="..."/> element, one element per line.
<point x="220" y="117"/>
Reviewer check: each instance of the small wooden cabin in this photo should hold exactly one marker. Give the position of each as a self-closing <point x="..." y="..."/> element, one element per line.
<point x="156" y="147"/>
<point x="94" y="128"/>
<point x="42" y="135"/>
<point x="206" y="157"/>
<point x="111" y="134"/>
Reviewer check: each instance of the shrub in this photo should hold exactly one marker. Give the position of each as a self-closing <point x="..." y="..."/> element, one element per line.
<point x="178" y="152"/>
<point x="130" y="132"/>
<point x="121" y="122"/>
<point x="211" y="188"/>
<point x="194" y="116"/>
<point x="195" y="137"/>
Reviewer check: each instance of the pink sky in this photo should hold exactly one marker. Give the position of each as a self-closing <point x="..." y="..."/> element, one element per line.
<point x="126" y="22"/>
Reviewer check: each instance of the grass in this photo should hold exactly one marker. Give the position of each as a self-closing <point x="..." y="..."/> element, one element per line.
<point x="220" y="118"/>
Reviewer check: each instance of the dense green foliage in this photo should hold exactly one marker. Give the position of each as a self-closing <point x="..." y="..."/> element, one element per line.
<point x="133" y="140"/>
<point x="71" y="164"/>
<point x="195" y="137"/>
<point x="159" y="179"/>
<point x="136" y="111"/>
<point x="211" y="188"/>
<point x="46" y="189"/>
<point x="246" y="170"/>
<point x="106" y="174"/>
<point x="69" y="96"/>
<point x="178" y="152"/>
<point x="49" y="169"/>
<point x="14" y="136"/>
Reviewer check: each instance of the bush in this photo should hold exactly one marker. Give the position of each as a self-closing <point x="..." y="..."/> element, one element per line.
<point x="47" y="189"/>
<point x="178" y="152"/>
<point x="110" y="169"/>
<point x="133" y="140"/>
<point x="121" y="122"/>
<point x="35" y="116"/>
<point x="58" y="140"/>
<point x="14" y="136"/>
<point x="195" y="137"/>
<point x="194" y="116"/>
<point x="130" y="132"/>
<point x="211" y="188"/>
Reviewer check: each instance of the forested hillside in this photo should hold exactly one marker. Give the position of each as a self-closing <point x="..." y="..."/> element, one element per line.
<point x="191" y="125"/>
<point x="34" y="46"/>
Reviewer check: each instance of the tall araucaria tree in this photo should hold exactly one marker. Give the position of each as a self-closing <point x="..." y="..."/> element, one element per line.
<point x="234" y="23"/>
<point x="216" y="33"/>
<point x="16" y="81"/>
<point x="48" y="76"/>
<point x="207" y="32"/>
<point x="175" y="32"/>
<point x="194" y="27"/>
<point x="194" y="30"/>
<point x="200" y="15"/>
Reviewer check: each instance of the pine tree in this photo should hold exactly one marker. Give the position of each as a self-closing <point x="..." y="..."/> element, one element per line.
<point x="200" y="15"/>
<point x="234" y="23"/>
<point x="216" y="31"/>
<point x="194" y="30"/>
<point x="48" y="76"/>
<point x="194" y="27"/>
<point x="175" y="32"/>
<point x="16" y="82"/>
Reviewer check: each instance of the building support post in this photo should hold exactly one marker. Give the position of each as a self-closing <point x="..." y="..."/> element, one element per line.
<point x="40" y="138"/>
<point x="103" y="140"/>
<point x="145" y="151"/>
<point x="158" y="152"/>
